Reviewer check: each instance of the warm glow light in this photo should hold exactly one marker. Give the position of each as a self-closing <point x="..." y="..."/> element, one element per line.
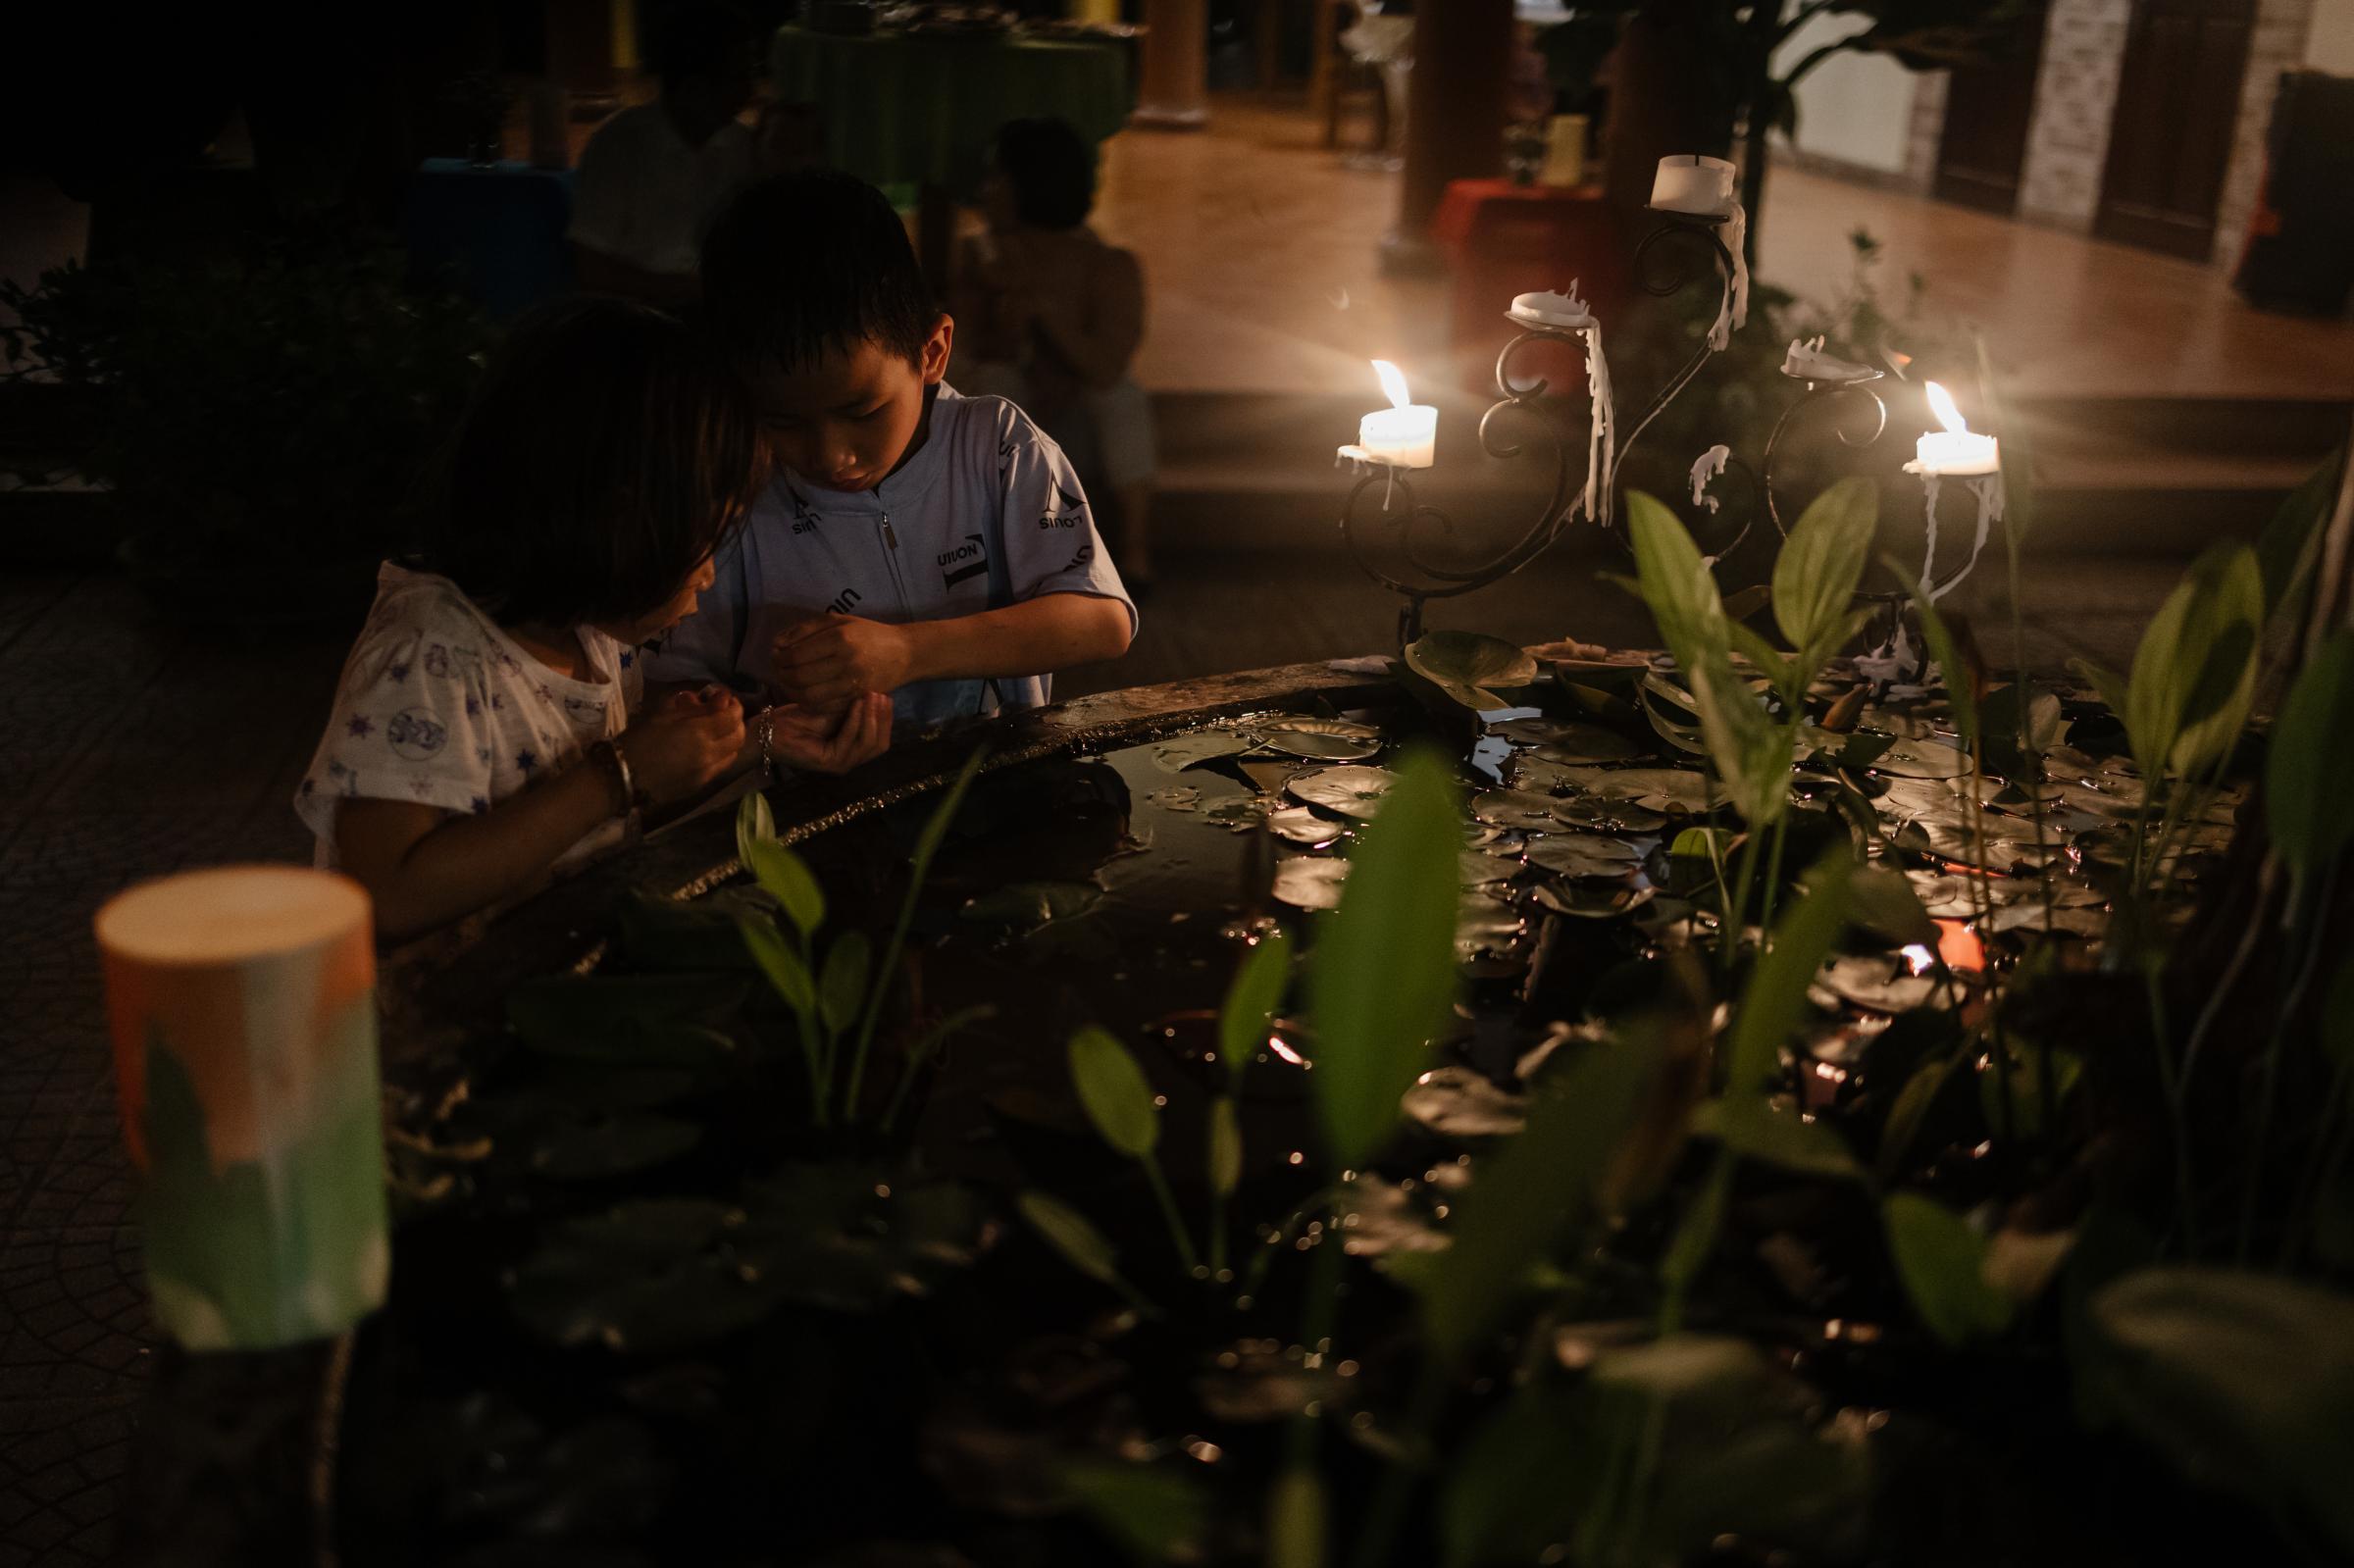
<point x="1392" y="383"/>
<point x="1941" y="404"/>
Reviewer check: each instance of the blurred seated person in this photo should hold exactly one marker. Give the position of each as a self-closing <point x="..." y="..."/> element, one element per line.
<point x="653" y="175"/>
<point x="1049" y="316"/>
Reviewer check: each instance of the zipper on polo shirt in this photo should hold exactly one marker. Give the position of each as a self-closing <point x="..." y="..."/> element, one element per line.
<point x="889" y="537"/>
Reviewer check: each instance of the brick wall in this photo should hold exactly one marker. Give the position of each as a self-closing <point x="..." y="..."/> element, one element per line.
<point x="2075" y="96"/>
<point x="2277" y="45"/>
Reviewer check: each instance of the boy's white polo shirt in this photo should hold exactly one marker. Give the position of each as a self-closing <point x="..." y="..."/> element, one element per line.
<point x="986" y="513"/>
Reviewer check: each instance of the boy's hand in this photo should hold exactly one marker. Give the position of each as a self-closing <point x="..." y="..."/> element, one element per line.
<point x="826" y="663"/>
<point x="685" y="743"/>
<point x="819" y="744"/>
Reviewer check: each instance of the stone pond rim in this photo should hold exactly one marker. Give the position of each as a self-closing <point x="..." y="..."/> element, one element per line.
<point x="435" y="990"/>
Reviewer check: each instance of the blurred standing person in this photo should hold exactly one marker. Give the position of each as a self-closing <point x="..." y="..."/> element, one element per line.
<point x="1053" y="317"/>
<point x="653" y="175"/>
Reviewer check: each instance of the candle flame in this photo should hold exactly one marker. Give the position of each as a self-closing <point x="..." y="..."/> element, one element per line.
<point x="1941" y="404"/>
<point x="1392" y="383"/>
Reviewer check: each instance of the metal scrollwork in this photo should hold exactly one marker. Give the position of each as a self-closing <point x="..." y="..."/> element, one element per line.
<point x="1405" y="522"/>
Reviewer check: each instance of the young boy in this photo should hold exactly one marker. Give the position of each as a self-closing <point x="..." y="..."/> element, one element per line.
<point x="933" y="546"/>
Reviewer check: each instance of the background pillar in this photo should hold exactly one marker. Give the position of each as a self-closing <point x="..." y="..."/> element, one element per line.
<point x="1175" y="91"/>
<point x="1454" y="113"/>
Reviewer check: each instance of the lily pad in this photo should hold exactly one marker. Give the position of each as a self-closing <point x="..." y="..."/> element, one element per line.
<point x="592" y="1146"/>
<point x="1485" y="923"/>
<point x="1581" y="855"/>
<point x="1330" y="740"/>
<point x="1240" y="814"/>
<point x="1517" y="808"/>
<point x="1479" y="869"/>
<point x="1914" y="758"/>
<point x="1178" y="797"/>
<point x="1470" y="665"/>
<point x="1456" y="1101"/>
<point x="1664" y="790"/>
<point x="1350" y="792"/>
<point x="1306" y="882"/>
<point x="1880" y="982"/>
<point x="1300" y="826"/>
<point x="1378" y="1218"/>
<point x="1586" y="901"/>
<point x="1021" y="907"/>
<point x="1204" y="745"/>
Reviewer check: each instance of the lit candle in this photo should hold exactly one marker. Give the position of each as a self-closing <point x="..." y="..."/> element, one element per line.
<point x="1957" y="449"/>
<point x="1403" y="436"/>
<point x="1687" y="183"/>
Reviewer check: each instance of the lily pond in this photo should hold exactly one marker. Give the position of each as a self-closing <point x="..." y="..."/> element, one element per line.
<point x="1747" y="1103"/>
<point x="1083" y="1270"/>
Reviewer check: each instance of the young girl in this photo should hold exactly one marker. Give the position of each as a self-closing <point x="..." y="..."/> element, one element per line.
<point x="482" y="736"/>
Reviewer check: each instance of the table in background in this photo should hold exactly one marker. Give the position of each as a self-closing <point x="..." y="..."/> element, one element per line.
<point x="500" y="228"/>
<point x="1503" y="239"/>
<point x="923" y="108"/>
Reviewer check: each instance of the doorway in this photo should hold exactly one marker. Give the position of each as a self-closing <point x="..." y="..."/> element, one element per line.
<point x="2177" y="103"/>
<point x="1988" y="108"/>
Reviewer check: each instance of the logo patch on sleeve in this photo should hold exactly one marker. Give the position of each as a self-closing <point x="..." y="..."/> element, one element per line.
<point x="1068" y="511"/>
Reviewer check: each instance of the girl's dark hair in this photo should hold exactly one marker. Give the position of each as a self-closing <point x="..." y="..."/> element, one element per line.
<point x="802" y="265"/>
<point x="1051" y="169"/>
<point x="604" y="456"/>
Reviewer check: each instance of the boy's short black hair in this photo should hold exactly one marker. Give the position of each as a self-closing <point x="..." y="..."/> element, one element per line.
<point x="604" y="456"/>
<point x="801" y="265"/>
<point x="1051" y="169"/>
<point x="690" y="40"/>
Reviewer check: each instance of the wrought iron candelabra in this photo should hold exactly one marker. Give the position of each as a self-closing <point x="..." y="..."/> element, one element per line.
<point x="1389" y="530"/>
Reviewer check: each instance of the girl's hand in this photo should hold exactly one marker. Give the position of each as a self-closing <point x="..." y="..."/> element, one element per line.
<point x="817" y="744"/>
<point x="684" y="745"/>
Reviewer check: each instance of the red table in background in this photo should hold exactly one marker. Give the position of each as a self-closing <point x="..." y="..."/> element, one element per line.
<point x="1505" y="240"/>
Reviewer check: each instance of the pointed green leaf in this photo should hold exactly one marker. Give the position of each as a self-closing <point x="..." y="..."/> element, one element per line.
<point x="1469" y="665"/>
<point x="1225" y="1147"/>
<point x="1755" y="1130"/>
<point x="2290" y="541"/>
<point x="1383" y="977"/>
<point x="1906" y="1115"/>
<point x="842" y="984"/>
<point x="2312" y="758"/>
<point x="1815" y="575"/>
<point x="1536" y="1186"/>
<point x="785" y="968"/>
<point x="1886" y="906"/>
<point x="786" y="877"/>
<point x="1073" y="1236"/>
<point x="1674" y="581"/>
<point x="1251" y="1002"/>
<point x="1297" y="1524"/>
<point x="1156" y="1512"/>
<point x="2242" y="1379"/>
<point x="1113" y="1091"/>
<point x="1775" y="998"/>
<point x="755" y="824"/>
<point x="2195" y="672"/>
<point x="1942" y="1262"/>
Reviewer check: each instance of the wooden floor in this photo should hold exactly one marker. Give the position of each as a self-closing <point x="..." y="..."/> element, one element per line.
<point x="1260" y="250"/>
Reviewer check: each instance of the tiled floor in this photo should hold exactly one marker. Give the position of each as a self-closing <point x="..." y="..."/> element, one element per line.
<point x="1259" y="247"/>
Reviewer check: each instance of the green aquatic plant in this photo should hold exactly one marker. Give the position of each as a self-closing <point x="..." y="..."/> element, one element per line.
<point x="838" y="1004"/>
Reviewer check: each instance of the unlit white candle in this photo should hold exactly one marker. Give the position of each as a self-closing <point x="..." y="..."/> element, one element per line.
<point x="1687" y="183"/>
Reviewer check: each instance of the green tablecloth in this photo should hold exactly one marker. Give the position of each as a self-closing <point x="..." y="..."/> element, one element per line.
<point x="924" y="110"/>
